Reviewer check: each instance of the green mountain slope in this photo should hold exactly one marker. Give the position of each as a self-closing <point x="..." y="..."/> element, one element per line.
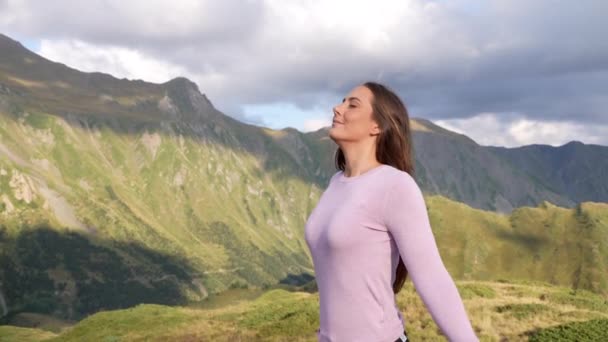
<point x="152" y="179"/>
<point x="544" y="243"/>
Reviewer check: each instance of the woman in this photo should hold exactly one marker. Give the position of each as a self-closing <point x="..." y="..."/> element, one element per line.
<point x="370" y="229"/>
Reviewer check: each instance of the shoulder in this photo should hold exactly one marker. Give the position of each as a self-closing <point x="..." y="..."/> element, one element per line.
<point x="396" y="178"/>
<point x="400" y="187"/>
<point x="336" y="174"/>
<point x="333" y="177"/>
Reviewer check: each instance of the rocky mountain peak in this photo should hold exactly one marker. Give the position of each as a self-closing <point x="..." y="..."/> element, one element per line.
<point x="184" y="99"/>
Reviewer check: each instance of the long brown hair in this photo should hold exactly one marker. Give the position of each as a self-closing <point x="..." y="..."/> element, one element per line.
<point x="393" y="145"/>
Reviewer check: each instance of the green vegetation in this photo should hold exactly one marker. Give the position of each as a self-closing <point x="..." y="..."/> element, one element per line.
<point x="280" y="315"/>
<point x="170" y="233"/>
<point x="593" y="330"/>
<point x="580" y="299"/>
<point x="148" y="321"/>
<point x="469" y="291"/>
<point x="521" y="311"/>
<point x="70" y="276"/>
<point x="544" y="244"/>
<point x="232" y="226"/>
<point x="17" y="334"/>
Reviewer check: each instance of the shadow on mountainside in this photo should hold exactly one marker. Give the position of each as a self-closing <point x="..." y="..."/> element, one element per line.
<point x="67" y="275"/>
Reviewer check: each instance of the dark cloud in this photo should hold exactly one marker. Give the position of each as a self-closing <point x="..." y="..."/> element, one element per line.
<point x="155" y="25"/>
<point x="556" y="97"/>
<point x="447" y="59"/>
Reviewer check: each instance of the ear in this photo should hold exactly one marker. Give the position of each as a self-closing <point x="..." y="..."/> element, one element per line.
<point x="375" y="130"/>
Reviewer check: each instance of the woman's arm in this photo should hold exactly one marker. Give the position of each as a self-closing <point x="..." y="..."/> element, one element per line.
<point x="407" y="220"/>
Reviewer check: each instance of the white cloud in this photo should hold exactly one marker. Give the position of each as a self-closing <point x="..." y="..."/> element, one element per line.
<point x="315" y="124"/>
<point x="117" y="61"/>
<point x="511" y="130"/>
<point x="557" y="133"/>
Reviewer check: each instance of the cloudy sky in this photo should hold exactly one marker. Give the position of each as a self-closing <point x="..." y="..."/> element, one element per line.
<point x="508" y="72"/>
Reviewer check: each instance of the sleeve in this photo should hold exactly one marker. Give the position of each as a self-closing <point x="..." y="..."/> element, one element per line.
<point x="407" y="220"/>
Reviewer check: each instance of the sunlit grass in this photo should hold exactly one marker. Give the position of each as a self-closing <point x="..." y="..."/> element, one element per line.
<point x="497" y="310"/>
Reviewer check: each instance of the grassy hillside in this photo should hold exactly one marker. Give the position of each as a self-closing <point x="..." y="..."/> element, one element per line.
<point x="498" y="311"/>
<point x="109" y="220"/>
<point x="544" y="243"/>
<point x="163" y="205"/>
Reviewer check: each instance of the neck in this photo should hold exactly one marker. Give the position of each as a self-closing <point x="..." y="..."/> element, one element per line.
<point x="359" y="158"/>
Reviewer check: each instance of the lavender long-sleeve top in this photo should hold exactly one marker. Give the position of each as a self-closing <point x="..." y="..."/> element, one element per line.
<point x="355" y="234"/>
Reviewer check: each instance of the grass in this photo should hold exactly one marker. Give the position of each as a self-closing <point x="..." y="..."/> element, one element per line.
<point x="580" y="299"/>
<point x="141" y="322"/>
<point x="593" y="330"/>
<point x="10" y="333"/>
<point x="470" y="291"/>
<point x="498" y="311"/>
<point x="524" y="310"/>
<point x="282" y="313"/>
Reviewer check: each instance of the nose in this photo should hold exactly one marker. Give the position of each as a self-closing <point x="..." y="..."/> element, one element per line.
<point x="336" y="110"/>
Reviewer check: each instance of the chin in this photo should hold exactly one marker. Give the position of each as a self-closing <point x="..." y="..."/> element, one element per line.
<point x="332" y="131"/>
<point x="333" y="136"/>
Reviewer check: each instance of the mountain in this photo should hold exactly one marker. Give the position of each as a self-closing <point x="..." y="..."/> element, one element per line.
<point x="575" y="170"/>
<point x="117" y="192"/>
<point x="497" y="178"/>
<point x="461" y="169"/>
<point x="447" y="163"/>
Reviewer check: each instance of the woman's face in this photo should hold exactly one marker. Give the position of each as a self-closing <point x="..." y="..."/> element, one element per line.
<point x="353" y="119"/>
